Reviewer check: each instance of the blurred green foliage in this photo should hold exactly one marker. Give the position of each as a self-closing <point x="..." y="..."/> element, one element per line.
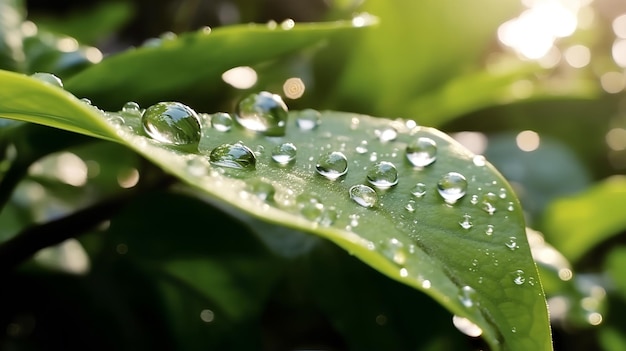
<point x="428" y="61"/>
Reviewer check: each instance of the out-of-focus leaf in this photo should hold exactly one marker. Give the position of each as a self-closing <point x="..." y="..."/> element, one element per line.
<point x="485" y="274"/>
<point x="11" y="50"/>
<point x="576" y="224"/>
<point x="194" y="62"/>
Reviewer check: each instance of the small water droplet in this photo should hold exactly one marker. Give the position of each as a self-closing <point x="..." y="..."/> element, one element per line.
<point x="512" y="243"/>
<point x="262" y="189"/>
<point x="284" y="153"/>
<point x="354" y="220"/>
<point x="489" y="230"/>
<point x="265" y="113"/>
<point x="452" y="187"/>
<point x="373" y="156"/>
<point x="329" y="216"/>
<point x="467" y="296"/>
<point x="518" y="277"/>
<point x="310" y="207"/>
<point x="387" y="134"/>
<point x="410" y="206"/>
<point x="479" y="160"/>
<point x="171" y="123"/>
<point x="308" y="119"/>
<point x="466" y="223"/>
<point x="394" y="250"/>
<point x="510" y="207"/>
<point x="221" y="121"/>
<point x="131" y="108"/>
<point x="48" y="78"/>
<point x="474" y="199"/>
<point x="513" y="330"/>
<point x="421" y="152"/>
<point x="332" y="165"/>
<point x="363" y="195"/>
<point x="419" y="190"/>
<point x="466" y="327"/>
<point x="404" y="272"/>
<point x="502" y="193"/>
<point x="115" y="119"/>
<point x="362" y="147"/>
<point x="488" y="203"/>
<point x="383" y="175"/>
<point x="237" y="156"/>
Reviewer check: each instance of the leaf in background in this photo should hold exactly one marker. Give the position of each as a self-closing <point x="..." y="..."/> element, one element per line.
<point x="193" y="62"/>
<point x="471" y="256"/>
<point x="576" y="224"/>
<point x="11" y="51"/>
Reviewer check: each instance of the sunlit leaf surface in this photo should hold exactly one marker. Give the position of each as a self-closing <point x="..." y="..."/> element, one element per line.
<point x="405" y="199"/>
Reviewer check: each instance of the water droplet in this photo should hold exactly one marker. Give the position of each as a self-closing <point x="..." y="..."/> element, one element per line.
<point x="488" y="203"/>
<point x="221" y="121"/>
<point x="310" y="207"/>
<point x="354" y="220"/>
<point x="394" y="250"/>
<point x="489" y="230"/>
<point x="362" y="147"/>
<point x="410" y="206"/>
<point x="387" y="134"/>
<point x="466" y="327"/>
<point x="452" y="187"/>
<point x="502" y="193"/>
<point x="518" y="277"/>
<point x="329" y="216"/>
<point x="419" y="190"/>
<point x="373" y="156"/>
<point x="512" y="243"/>
<point x="265" y="113"/>
<point x="237" y="156"/>
<point x="404" y="272"/>
<point x="513" y="330"/>
<point x="363" y="195"/>
<point x="467" y="296"/>
<point x="383" y="175"/>
<point x="48" y="78"/>
<point x="116" y="120"/>
<point x="466" y="223"/>
<point x="171" y="123"/>
<point x="308" y="119"/>
<point x="510" y="207"/>
<point x="131" y="108"/>
<point x="332" y="165"/>
<point x="262" y="189"/>
<point x="421" y="152"/>
<point x="479" y="160"/>
<point x="284" y="153"/>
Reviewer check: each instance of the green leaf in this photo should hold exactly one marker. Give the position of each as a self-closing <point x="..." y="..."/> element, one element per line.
<point x="573" y="224"/>
<point x="486" y="277"/>
<point x="193" y="62"/>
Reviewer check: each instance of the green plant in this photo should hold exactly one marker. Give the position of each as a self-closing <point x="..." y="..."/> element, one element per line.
<point x="156" y="227"/>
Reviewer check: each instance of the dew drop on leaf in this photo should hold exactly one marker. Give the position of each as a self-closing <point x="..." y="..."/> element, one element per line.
<point x="419" y="190"/>
<point x="362" y="147"/>
<point x="488" y="203"/>
<point x="131" y="108"/>
<point x="363" y="195"/>
<point x="308" y="119"/>
<point x="171" y="123"/>
<point x="263" y="112"/>
<point x="387" y="134"/>
<point x="466" y="222"/>
<point x="479" y="160"/>
<point x="394" y="250"/>
<point x="221" y="121"/>
<point x="48" y="78"/>
<point x="512" y="244"/>
<point x="518" y="277"/>
<point x="502" y="193"/>
<point x="261" y="189"/>
<point x="421" y="152"/>
<point x="383" y="175"/>
<point x="489" y="230"/>
<point x="466" y="327"/>
<point x="237" y="156"/>
<point x="332" y="165"/>
<point x="452" y="186"/>
<point x="467" y="296"/>
<point x="284" y="153"/>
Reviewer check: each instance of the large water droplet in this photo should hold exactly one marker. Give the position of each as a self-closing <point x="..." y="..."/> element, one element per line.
<point x="284" y="153"/>
<point x="265" y="113"/>
<point x="419" y="190"/>
<point x="237" y="156"/>
<point x="421" y="152"/>
<point x="489" y="203"/>
<point x="518" y="277"/>
<point x="394" y="250"/>
<point x="363" y="195"/>
<point x="332" y="165"/>
<point x="48" y="78"/>
<point x="221" y="121"/>
<point x="452" y="187"/>
<point x="383" y="175"/>
<point x="466" y="222"/>
<point x="308" y="119"/>
<point x="171" y="123"/>
<point x="467" y="296"/>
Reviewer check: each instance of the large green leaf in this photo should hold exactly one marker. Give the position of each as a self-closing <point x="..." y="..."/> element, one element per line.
<point x="476" y="264"/>
<point x="573" y="224"/>
<point x="193" y="62"/>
